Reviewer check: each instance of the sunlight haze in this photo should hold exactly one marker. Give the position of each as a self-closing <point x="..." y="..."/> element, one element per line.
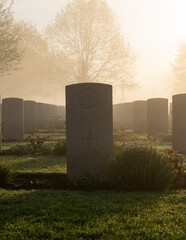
<point x="153" y="28"/>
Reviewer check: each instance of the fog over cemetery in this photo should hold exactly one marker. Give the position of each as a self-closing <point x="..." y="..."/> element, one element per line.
<point x="88" y="149"/>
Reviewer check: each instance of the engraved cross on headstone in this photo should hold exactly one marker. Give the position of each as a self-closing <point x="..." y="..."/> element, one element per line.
<point x="89" y="139"/>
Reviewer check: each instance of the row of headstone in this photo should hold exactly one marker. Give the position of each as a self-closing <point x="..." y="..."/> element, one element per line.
<point x="19" y="117"/>
<point x="90" y="126"/>
<point x="149" y="116"/>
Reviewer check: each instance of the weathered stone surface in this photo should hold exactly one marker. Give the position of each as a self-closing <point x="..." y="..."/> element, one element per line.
<point x="89" y="128"/>
<point x="52" y="110"/>
<point x="139" y="116"/>
<point x="128" y="115"/>
<point x="13" y="119"/>
<point x="47" y="111"/>
<point x="157" y="117"/>
<point x="40" y="115"/>
<point x="29" y="116"/>
<point x="118" y="114"/>
<point x="170" y="111"/>
<point x="179" y="122"/>
<point x="123" y="114"/>
<point x="170" y="119"/>
<point x="61" y="111"/>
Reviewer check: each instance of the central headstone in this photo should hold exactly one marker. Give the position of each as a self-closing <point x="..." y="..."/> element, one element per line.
<point x="89" y="129"/>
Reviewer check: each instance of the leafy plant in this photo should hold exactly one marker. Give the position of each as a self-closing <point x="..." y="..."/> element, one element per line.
<point x="141" y="166"/>
<point x="6" y="176"/>
<point x="177" y="164"/>
<point x="36" y="143"/>
<point x="89" y="182"/>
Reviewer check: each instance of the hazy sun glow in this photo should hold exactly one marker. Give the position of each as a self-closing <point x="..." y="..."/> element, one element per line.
<point x="153" y="27"/>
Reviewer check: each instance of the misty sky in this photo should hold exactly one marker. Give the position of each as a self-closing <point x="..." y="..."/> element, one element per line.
<point x="153" y="27"/>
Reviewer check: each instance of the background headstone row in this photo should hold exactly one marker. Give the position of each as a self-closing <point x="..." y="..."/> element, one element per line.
<point x="19" y="117"/>
<point x="154" y="117"/>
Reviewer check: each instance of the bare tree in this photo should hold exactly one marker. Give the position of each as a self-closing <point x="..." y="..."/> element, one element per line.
<point x="88" y="37"/>
<point x="10" y="52"/>
<point x="179" y="67"/>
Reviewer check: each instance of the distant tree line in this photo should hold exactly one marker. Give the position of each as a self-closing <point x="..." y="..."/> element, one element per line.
<point x="84" y="43"/>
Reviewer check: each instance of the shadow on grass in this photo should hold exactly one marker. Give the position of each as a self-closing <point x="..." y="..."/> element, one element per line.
<point x="30" y="181"/>
<point x="49" y="214"/>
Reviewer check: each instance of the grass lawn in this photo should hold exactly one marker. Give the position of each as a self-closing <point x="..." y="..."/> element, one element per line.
<point x="61" y="214"/>
<point x="35" y="164"/>
<point x="51" y="214"/>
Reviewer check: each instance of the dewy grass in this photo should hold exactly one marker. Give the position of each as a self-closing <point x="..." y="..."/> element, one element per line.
<point x="50" y="214"/>
<point x="36" y="164"/>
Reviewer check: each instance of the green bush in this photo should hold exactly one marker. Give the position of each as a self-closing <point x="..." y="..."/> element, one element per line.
<point x="177" y="164"/>
<point x="141" y="166"/>
<point x="60" y="148"/>
<point x="37" y="143"/>
<point x="6" y="176"/>
<point x="89" y="181"/>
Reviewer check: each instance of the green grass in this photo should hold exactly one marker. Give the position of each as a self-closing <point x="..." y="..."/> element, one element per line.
<point x="50" y="214"/>
<point x="60" y="214"/>
<point x="35" y="164"/>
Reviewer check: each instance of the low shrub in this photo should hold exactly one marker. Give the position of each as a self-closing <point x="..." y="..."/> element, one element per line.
<point x="37" y="143"/>
<point x="177" y="164"/>
<point x="89" y="182"/>
<point x="141" y="166"/>
<point x="60" y="148"/>
<point x="6" y="176"/>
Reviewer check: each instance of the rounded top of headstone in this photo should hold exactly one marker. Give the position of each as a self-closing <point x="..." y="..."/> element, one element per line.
<point x="89" y="95"/>
<point x="12" y="100"/>
<point x="118" y="104"/>
<point x="157" y="100"/>
<point x="181" y="96"/>
<point x="29" y="101"/>
<point x="87" y="84"/>
<point x="128" y="103"/>
<point x="139" y="101"/>
<point x="39" y="103"/>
